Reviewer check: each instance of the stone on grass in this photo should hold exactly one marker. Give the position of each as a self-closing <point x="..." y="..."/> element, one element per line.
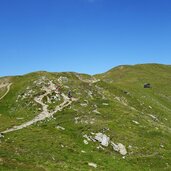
<point x="100" y="147"/>
<point x="96" y="111"/>
<point x="102" y="138"/>
<point x="122" y="149"/>
<point x="84" y="104"/>
<point x="82" y="151"/>
<point x="119" y="148"/>
<point x="87" y="137"/>
<point x="85" y="142"/>
<point x="63" y="79"/>
<point x="137" y="123"/>
<point x="92" y="165"/>
<point x="60" y="127"/>
<point x="105" y="104"/>
<point x="154" y="118"/>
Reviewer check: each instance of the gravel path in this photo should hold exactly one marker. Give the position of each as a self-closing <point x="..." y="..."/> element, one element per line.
<point x="45" y="113"/>
<point x="8" y="89"/>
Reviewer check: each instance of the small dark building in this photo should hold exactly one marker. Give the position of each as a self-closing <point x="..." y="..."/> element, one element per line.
<point x="147" y="85"/>
<point x="125" y="92"/>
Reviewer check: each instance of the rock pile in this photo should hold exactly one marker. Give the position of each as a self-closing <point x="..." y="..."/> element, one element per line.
<point x="104" y="140"/>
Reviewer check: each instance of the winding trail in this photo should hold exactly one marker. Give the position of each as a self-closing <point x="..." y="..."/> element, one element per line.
<point x="8" y="89"/>
<point x="45" y="113"/>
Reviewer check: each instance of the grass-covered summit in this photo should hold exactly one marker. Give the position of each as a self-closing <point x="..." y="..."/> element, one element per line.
<point x="42" y="129"/>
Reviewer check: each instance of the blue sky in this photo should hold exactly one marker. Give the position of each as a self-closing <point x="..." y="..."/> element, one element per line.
<point x="88" y="36"/>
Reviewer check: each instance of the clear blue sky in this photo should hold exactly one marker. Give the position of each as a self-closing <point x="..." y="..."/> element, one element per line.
<point x="89" y="36"/>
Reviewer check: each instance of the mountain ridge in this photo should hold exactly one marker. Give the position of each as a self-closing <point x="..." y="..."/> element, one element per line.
<point x="115" y="67"/>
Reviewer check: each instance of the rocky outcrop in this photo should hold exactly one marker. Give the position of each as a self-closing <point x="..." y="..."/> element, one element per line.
<point x="102" y="138"/>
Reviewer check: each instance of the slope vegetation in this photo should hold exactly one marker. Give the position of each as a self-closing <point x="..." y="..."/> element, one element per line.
<point x="111" y="122"/>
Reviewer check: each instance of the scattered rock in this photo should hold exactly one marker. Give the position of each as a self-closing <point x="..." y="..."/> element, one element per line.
<point x="19" y="118"/>
<point x="82" y="151"/>
<point x="63" y="79"/>
<point x="88" y="138"/>
<point x="60" y="127"/>
<point x="96" y="111"/>
<point x="161" y="145"/>
<point x="85" y="142"/>
<point x="76" y="119"/>
<point x="90" y="94"/>
<point x="122" y="100"/>
<point x="115" y="147"/>
<point x="119" y="148"/>
<point x="39" y="109"/>
<point x="95" y="106"/>
<point x="92" y="165"/>
<point x="105" y="129"/>
<point x="86" y="101"/>
<point x="100" y="147"/>
<point x="84" y="104"/>
<point x="92" y="121"/>
<point x="105" y="104"/>
<point x="102" y="138"/>
<point x="137" y="123"/>
<point x="66" y="87"/>
<point x="150" y="107"/>
<point x="154" y="118"/>
<point x="84" y="120"/>
<point x="130" y="146"/>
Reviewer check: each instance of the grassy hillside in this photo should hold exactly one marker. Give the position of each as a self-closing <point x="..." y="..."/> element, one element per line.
<point x="114" y="103"/>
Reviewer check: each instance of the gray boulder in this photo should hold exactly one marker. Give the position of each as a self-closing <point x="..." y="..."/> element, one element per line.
<point x="102" y="138"/>
<point x="119" y="148"/>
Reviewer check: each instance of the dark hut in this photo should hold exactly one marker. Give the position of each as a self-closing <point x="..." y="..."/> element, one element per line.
<point x="147" y="85"/>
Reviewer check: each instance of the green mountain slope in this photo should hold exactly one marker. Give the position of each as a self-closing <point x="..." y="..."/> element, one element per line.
<point x="42" y="129"/>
